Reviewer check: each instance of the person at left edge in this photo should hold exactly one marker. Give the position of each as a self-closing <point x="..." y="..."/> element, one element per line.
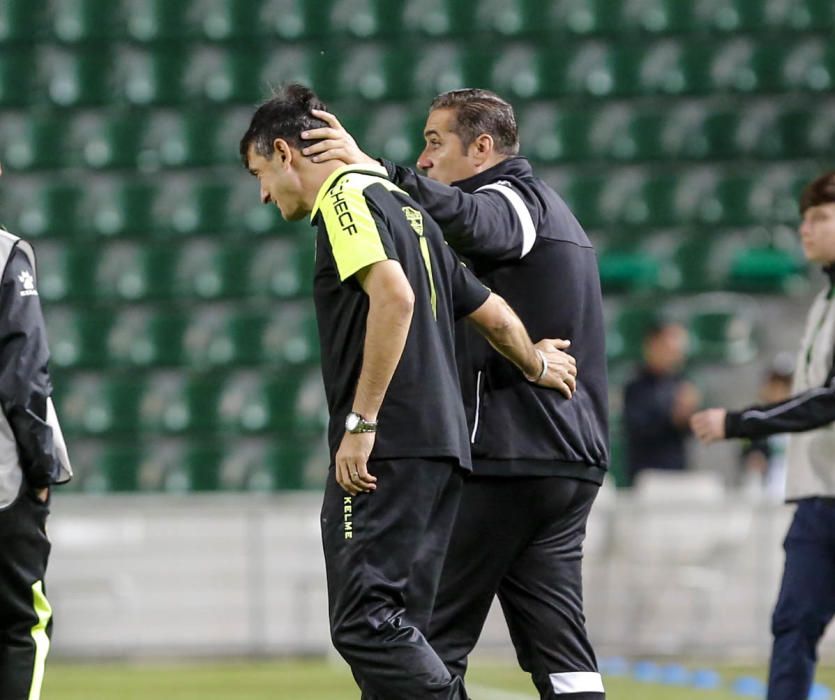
<point x="33" y="457"/>
<point x="387" y="292"/>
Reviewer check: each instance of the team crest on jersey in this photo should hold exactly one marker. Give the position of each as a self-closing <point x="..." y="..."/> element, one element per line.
<point x="415" y="219"/>
<point x="28" y="282"/>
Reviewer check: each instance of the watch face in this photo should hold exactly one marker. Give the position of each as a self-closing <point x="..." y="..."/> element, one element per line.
<point x="352" y="421"/>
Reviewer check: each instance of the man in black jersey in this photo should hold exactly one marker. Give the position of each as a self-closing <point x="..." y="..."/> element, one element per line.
<point x="387" y="292"/>
<point x="538" y="459"/>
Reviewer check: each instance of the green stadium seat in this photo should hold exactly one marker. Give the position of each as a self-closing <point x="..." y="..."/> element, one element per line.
<point x="521" y="72"/>
<point x="118" y="467"/>
<point x="394" y="132"/>
<point x="22" y="21"/>
<point x="658" y="17"/>
<point x="296" y="20"/>
<point x="157" y="20"/>
<point x="286" y="403"/>
<point x="511" y="18"/>
<point x="96" y="404"/>
<point x="722" y="335"/>
<point x="369" y="71"/>
<point x="437" y="18"/>
<point x="78" y="338"/>
<point x="137" y="272"/>
<point x="149" y="337"/>
<point x="258" y="464"/>
<point x="551" y="134"/>
<point x="628" y="271"/>
<point x="731" y="16"/>
<point x="290" y="463"/>
<point x="283" y="269"/>
<point x="792" y="134"/>
<point x="180" y="403"/>
<point x="105" y="465"/>
<point x="52" y="210"/>
<point x="598" y="69"/>
<point x="183" y="139"/>
<point x="154" y="77"/>
<point x="67" y="273"/>
<point x="293" y="336"/>
<point x="364" y="19"/>
<point x="125" y="207"/>
<point x="229" y="76"/>
<point x="585" y="17"/>
<point x="732" y="203"/>
<point x="113" y="140"/>
<point x="33" y="142"/>
<point x="78" y="78"/>
<point x="583" y="195"/>
<point x="18" y="71"/>
<point x="765" y="270"/>
<point x="181" y="465"/>
<point x="198" y="207"/>
<point x="75" y="21"/>
<point x="226" y="20"/>
<point x="677" y="67"/>
<point x="633" y="136"/>
<point x="813" y="15"/>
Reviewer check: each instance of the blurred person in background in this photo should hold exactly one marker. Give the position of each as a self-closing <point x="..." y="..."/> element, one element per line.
<point x="538" y="460"/>
<point x="806" y="602"/>
<point x="387" y="291"/>
<point x="33" y="457"/>
<point x="763" y="459"/>
<point x="658" y="403"/>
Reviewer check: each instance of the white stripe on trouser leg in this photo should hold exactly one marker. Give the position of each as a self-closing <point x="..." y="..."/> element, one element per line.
<point x="576" y="682"/>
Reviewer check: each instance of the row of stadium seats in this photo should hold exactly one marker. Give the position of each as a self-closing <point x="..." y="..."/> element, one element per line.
<point x="165" y="402"/>
<point x="183" y="75"/>
<point x="281" y="268"/>
<point x="201" y="464"/>
<point x="215" y="337"/>
<point x="177" y="206"/>
<point x="204" y="336"/>
<point x="74" y="21"/>
<point x="671" y="259"/>
<point x="149" y="140"/>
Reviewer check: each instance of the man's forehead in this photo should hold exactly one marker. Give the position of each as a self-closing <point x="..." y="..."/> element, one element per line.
<point x="440" y="120"/>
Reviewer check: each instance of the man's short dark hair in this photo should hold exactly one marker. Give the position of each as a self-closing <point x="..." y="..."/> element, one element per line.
<point x="481" y="112"/>
<point x="820" y="191"/>
<point x="284" y="116"/>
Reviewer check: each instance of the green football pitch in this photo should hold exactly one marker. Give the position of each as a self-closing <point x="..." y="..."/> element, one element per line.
<point x="318" y="680"/>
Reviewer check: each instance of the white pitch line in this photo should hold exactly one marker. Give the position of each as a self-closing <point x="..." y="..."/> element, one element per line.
<point x="483" y="692"/>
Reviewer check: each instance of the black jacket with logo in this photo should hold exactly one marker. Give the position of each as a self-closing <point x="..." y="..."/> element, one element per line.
<point x="524" y="243"/>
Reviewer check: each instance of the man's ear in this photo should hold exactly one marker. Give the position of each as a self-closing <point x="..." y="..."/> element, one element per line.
<point x="482" y="148"/>
<point x="282" y="152"/>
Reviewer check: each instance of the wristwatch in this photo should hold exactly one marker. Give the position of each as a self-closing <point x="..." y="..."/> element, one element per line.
<point x="355" y="423"/>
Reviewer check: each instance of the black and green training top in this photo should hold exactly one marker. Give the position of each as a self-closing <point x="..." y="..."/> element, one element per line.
<point x="362" y="219"/>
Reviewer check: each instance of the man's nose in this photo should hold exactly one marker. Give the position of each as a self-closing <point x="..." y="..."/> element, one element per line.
<point x="265" y="196"/>
<point x="423" y="162"/>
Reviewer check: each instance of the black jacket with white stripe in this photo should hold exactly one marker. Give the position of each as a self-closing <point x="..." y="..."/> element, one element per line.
<point x="524" y="243"/>
<point x="809" y="413"/>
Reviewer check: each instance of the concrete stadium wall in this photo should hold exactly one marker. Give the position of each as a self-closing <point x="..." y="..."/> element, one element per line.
<point x="243" y="575"/>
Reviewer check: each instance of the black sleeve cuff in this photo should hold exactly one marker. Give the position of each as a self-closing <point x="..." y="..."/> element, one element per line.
<point x="733" y="424"/>
<point x="391" y="168"/>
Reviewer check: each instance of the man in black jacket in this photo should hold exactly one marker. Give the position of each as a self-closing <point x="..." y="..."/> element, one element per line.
<point x="32" y="458"/>
<point x="538" y="460"/>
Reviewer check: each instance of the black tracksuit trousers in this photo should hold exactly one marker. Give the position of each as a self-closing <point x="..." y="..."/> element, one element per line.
<point x="383" y="554"/>
<point x="521" y="538"/>
<point x="25" y="615"/>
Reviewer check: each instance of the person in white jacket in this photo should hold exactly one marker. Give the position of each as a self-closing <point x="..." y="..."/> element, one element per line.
<point x="806" y="602"/>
